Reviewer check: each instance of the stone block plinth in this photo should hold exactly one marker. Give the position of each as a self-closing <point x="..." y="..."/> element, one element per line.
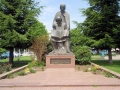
<point x="60" y="61"/>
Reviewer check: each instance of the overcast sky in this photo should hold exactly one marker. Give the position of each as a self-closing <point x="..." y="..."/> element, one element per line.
<point x="53" y="6"/>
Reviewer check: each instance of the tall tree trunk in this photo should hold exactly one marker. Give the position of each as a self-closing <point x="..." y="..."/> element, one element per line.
<point x="19" y="55"/>
<point x="110" y="56"/>
<point x="11" y="56"/>
<point x="119" y="51"/>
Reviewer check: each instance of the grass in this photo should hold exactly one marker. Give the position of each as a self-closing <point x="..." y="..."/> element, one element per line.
<point x="23" y="61"/>
<point x="114" y="67"/>
<point x="96" y="57"/>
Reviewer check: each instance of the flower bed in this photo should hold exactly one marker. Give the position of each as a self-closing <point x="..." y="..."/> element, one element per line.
<point x="96" y="69"/>
<point x="32" y="67"/>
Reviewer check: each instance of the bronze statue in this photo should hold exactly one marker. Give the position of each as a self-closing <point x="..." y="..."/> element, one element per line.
<point x="61" y="32"/>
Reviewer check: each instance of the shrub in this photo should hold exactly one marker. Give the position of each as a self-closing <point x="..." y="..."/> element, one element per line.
<point x="107" y="74"/>
<point x="94" y="69"/>
<point x="83" y="55"/>
<point x="39" y="46"/>
<point x="27" y="70"/>
<point x="42" y="68"/>
<point x="10" y="76"/>
<point x="86" y="70"/>
<point x="5" y="67"/>
<point x="8" y="67"/>
<point x="36" y="64"/>
<point x="32" y="70"/>
<point x="21" y="73"/>
<point x="1" y="70"/>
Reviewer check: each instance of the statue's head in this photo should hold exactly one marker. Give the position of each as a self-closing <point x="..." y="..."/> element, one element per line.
<point x="62" y="7"/>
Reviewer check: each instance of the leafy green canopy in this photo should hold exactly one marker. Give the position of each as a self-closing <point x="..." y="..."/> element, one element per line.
<point x="2" y="50"/>
<point x="18" y="21"/>
<point x="77" y="38"/>
<point x="102" y="22"/>
<point x="16" y="17"/>
<point x="79" y="46"/>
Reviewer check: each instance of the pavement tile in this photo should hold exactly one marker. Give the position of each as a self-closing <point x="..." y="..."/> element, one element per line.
<point x="60" y="79"/>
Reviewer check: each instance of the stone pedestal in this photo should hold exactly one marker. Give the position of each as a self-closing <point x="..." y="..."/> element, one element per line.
<point x="60" y="61"/>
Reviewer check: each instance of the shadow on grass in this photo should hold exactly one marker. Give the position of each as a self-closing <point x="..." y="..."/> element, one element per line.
<point x="20" y="63"/>
<point x="106" y="63"/>
<point x="23" y="60"/>
<point x="17" y="64"/>
<point x="114" y="67"/>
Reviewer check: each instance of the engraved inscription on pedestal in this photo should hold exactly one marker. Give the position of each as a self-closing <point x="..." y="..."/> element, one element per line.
<point x="60" y="60"/>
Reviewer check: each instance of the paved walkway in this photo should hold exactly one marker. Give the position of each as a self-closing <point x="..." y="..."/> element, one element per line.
<point x="60" y="79"/>
<point x="117" y="57"/>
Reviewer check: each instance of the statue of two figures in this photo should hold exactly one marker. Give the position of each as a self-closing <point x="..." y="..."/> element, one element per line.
<point x="60" y="34"/>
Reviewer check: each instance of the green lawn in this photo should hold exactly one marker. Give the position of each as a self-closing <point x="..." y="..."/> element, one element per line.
<point x="23" y="61"/>
<point x="114" y="67"/>
<point x="96" y="57"/>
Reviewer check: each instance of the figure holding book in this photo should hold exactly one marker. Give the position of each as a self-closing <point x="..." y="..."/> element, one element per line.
<point x="60" y="33"/>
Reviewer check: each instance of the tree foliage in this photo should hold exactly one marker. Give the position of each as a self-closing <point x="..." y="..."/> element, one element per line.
<point x="102" y="23"/>
<point x="2" y="50"/>
<point x="79" y="45"/>
<point x="36" y="29"/>
<point x="77" y="37"/>
<point x="16" y="17"/>
<point x="39" y="46"/>
<point x="83" y="55"/>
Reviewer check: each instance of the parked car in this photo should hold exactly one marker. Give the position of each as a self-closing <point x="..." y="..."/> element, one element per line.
<point x="4" y="55"/>
<point x="7" y="54"/>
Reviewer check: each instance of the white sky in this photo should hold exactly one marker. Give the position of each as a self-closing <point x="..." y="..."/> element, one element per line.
<point x="53" y="6"/>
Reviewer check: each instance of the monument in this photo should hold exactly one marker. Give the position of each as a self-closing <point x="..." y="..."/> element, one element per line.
<point x="61" y="56"/>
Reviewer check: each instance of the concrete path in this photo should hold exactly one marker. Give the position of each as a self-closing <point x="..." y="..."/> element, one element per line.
<point x="117" y="57"/>
<point x="60" y="79"/>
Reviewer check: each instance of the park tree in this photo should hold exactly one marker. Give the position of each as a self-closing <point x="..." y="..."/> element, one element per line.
<point x="80" y="45"/>
<point x="16" y="17"/>
<point x="38" y="38"/>
<point x="102" y="24"/>
<point x="39" y="46"/>
<point x="82" y="39"/>
<point x="35" y="30"/>
<point x="2" y="50"/>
